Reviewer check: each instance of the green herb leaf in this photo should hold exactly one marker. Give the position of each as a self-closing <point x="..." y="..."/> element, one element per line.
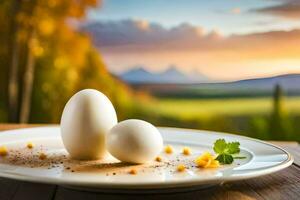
<point x="225" y="151"/>
<point x="233" y="147"/>
<point x="220" y="146"/>
<point x="225" y="158"/>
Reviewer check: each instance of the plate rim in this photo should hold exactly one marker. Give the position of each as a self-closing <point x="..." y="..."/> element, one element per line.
<point x="154" y="185"/>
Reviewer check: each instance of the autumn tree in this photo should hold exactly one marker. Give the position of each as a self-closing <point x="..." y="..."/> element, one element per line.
<point x="39" y="30"/>
<point x="49" y="59"/>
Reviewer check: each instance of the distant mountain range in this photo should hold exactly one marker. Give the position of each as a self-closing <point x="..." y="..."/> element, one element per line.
<point x="286" y="81"/>
<point x="172" y="75"/>
<point x="139" y="75"/>
<point x="179" y="85"/>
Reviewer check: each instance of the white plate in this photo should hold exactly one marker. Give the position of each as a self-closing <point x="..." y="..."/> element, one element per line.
<point x="23" y="164"/>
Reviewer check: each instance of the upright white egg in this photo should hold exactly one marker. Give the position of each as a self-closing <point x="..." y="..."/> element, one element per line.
<point x="134" y="141"/>
<point x="85" y="122"/>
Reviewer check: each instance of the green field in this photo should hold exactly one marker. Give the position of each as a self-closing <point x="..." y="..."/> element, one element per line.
<point x="191" y="108"/>
<point x="254" y="117"/>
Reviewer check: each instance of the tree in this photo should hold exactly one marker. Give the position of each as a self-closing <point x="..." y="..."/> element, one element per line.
<point x="32" y="32"/>
<point x="54" y="58"/>
<point x="279" y="121"/>
<point x="13" y="86"/>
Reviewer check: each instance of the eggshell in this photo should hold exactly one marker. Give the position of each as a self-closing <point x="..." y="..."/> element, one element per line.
<point x="134" y="141"/>
<point x="85" y="122"/>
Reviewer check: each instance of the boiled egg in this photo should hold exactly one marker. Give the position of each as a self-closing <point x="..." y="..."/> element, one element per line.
<point x="134" y="141"/>
<point x="85" y="122"/>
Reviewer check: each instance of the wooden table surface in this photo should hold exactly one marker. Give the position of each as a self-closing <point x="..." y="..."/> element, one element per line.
<point x="281" y="185"/>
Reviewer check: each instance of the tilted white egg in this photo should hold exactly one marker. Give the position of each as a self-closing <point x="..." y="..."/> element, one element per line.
<point x="85" y="122"/>
<point x="134" y="141"/>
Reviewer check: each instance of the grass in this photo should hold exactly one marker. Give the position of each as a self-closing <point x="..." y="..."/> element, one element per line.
<point x="244" y="116"/>
<point x="205" y="108"/>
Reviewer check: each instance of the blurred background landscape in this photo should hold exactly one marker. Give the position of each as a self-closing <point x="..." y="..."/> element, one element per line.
<point x="231" y="66"/>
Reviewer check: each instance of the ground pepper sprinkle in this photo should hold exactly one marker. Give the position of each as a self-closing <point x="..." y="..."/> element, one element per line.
<point x="39" y="156"/>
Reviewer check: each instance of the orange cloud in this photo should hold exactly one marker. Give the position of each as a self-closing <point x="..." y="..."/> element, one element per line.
<point x="288" y="9"/>
<point x="130" y="36"/>
<point x="127" y="43"/>
<point x="138" y="32"/>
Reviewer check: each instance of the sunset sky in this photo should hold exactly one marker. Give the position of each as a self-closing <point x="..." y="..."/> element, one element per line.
<point x="223" y="39"/>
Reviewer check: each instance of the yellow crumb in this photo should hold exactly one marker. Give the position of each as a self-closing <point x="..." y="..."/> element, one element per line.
<point x="186" y="151"/>
<point x="169" y="149"/>
<point x="42" y="156"/>
<point x="3" y="151"/>
<point x="133" y="171"/>
<point x="30" y="145"/>
<point x="214" y="164"/>
<point x="181" y="168"/>
<point x="207" y="160"/>
<point x="158" y="159"/>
